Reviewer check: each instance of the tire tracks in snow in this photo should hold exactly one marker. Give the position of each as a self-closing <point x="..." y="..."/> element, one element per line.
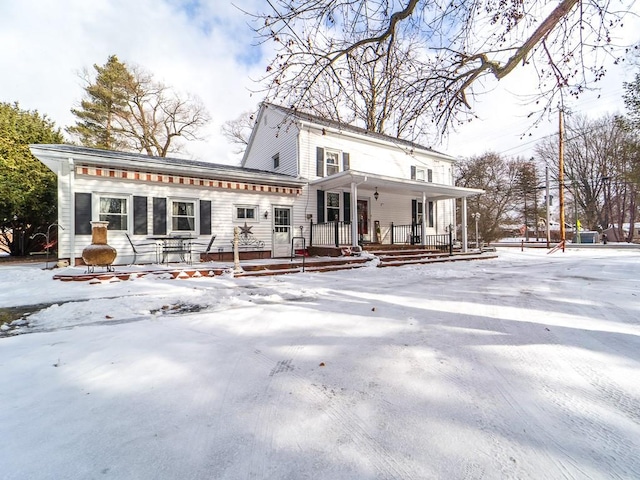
<point x="345" y="424"/>
<point x="575" y="411"/>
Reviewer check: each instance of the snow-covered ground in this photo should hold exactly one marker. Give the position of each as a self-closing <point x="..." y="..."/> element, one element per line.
<point x="525" y="366"/>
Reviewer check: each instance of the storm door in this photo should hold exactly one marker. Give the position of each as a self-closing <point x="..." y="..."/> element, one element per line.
<point x="281" y="231"/>
<point x="363" y="220"/>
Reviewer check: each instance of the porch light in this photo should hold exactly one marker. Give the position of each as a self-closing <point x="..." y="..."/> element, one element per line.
<point x="376" y="195"/>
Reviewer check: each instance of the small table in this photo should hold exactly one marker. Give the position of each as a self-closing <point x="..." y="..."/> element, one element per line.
<point x="167" y="245"/>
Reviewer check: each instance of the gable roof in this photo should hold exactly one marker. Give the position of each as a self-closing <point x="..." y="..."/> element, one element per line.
<point x="345" y="127"/>
<point x="51" y="154"/>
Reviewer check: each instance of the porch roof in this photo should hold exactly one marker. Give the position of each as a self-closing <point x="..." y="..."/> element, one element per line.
<point x="433" y="191"/>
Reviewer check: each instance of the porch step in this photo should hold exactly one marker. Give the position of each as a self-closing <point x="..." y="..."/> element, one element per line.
<point x="386" y="259"/>
<point x="296" y="266"/>
<point x="410" y="257"/>
<point x="435" y="258"/>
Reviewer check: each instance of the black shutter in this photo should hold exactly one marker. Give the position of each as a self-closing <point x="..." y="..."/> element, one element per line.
<point x="347" y="207"/>
<point x="140" y="216"/>
<point x="429" y="175"/>
<point x="413" y="173"/>
<point x="430" y="217"/>
<point x="205" y="217"/>
<point x="159" y="216"/>
<point x="320" y="194"/>
<point x="414" y="211"/>
<point x="320" y="161"/>
<point x="83" y="213"/>
<point x="346" y="165"/>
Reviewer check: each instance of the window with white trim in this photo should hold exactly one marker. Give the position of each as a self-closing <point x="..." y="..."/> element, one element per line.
<point x="183" y="215"/>
<point x="430" y="213"/>
<point x="333" y="207"/>
<point x="246" y="213"/>
<point x="115" y="211"/>
<point x="424" y="174"/>
<point x="332" y="162"/>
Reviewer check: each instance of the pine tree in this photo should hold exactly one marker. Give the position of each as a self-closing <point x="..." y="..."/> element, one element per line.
<point x="101" y="112"/>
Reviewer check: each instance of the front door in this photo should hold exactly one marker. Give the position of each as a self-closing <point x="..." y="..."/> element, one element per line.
<point x="363" y="220"/>
<point x="281" y="231"/>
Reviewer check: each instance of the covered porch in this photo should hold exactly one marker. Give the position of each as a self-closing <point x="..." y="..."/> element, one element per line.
<point x="389" y="211"/>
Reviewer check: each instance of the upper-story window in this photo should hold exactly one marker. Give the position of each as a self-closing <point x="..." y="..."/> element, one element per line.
<point x="330" y="162"/>
<point x="421" y="174"/>
<point x="114" y="210"/>
<point x="276" y="160"/>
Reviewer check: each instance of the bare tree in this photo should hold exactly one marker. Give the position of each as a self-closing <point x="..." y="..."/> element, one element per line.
<point x="600" y="158"/>
<point x="377" y="90"/>
<point x="148" y="117"/>
<point x="452" y="49"/>
<point x="499" y="178"/>
<point x="238" y="130"/>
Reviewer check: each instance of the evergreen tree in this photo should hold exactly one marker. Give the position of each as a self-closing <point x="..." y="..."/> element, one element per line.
<point x="28" y="189"/>
<point x="105" y="103"/>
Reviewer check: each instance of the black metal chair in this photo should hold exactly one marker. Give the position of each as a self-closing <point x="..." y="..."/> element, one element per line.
<point x="207" y="246"/>
<point x="140" y="248"/>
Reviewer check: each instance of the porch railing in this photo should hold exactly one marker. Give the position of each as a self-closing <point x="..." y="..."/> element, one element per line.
<point x="412" y="235"/>
<point x="409" y="234"/>
<point x="330" y="233"/>
<point x="339" y="234"/>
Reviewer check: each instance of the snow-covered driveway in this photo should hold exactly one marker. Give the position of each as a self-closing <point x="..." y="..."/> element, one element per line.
<point x="526" y="366"/>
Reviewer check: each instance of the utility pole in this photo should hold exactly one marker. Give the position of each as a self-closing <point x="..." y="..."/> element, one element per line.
<point x="548" y="205"/>
<point x="561" y="175"/>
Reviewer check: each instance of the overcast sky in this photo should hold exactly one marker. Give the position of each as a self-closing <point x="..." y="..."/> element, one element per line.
<point x="207" y="48"/>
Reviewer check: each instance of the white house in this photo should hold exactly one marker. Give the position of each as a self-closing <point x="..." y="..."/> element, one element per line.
<point x="351" y="173"/>
<point x="302" y="177"/>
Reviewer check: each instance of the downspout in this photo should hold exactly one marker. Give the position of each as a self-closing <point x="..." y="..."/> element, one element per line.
<point x="305" y="188"/>
<point x="72" y="209"/>
<point x="463" y="214"/>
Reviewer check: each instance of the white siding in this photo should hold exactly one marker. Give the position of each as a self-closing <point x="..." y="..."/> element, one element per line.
<point x="369" y="156"/>
<point x="274" y="134"/>
<point x="223" y="211"/>
<point x="65" y="210"/>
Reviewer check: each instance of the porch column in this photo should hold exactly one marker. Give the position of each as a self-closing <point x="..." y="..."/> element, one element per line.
<point x="354" y="214"/>
<point x="72" y="207"/>
<point x="423" y="237"/>
<point x="464" y="224"/>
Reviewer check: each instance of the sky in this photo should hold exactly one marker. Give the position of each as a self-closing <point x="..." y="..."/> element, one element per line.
<point x="208" y="49"/>
<point x="522" y="366"/>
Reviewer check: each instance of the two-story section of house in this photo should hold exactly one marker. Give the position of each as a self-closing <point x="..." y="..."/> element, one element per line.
<point x="361" y="186"/>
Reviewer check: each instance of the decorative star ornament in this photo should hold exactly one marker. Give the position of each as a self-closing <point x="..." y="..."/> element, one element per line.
<point x="246" y="230"/>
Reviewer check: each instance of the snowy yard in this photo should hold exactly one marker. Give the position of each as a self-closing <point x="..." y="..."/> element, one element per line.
<point x="525" y="366"/>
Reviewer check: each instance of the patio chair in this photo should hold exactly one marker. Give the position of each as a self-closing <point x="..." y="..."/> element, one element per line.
<point x="208" y="246"/>
<point x="141" y="248"/>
